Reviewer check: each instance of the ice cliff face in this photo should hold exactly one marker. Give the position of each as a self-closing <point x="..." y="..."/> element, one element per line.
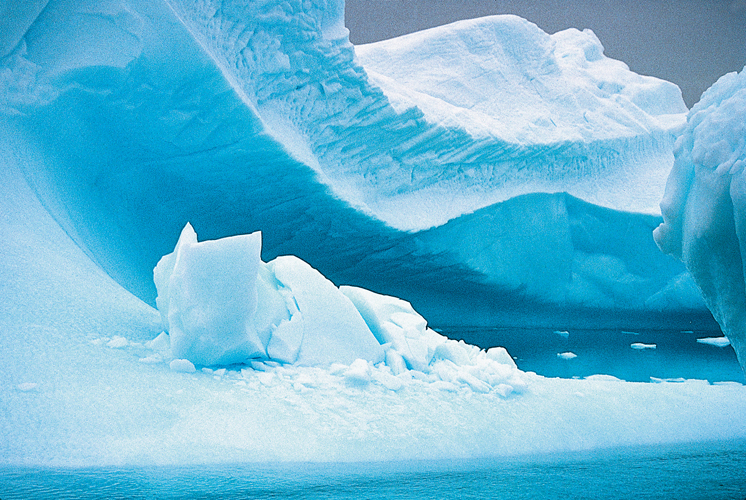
<point x="130" y="118"/>
<point x="704" y="210"/>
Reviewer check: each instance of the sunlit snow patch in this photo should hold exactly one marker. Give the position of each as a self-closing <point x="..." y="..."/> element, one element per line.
<point x="222" y="305"/>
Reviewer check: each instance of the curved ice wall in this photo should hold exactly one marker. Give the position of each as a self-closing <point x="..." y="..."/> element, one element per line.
<point x="704" y="210"/>
<point x="245" y="116"/>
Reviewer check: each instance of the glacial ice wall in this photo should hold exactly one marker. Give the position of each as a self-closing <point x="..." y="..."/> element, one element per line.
<point x="704" y="209"/>
<point x="561" y="117"/>
<point x="257" y="116"/>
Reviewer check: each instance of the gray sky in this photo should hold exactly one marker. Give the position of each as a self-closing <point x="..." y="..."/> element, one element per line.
<point x="689" y="42"/>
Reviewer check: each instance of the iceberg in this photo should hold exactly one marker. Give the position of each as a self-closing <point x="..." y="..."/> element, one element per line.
<point x="245" y="116"/>
<point x="120" y="120"/>
<point x="704" y="209"/>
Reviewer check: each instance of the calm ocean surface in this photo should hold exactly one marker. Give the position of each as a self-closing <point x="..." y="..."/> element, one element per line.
<point x="685" y="471"/>
<point x="676" y="354"/>
<point x="702" y="471"/>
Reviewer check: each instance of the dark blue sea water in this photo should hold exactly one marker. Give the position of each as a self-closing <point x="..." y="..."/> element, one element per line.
<point x="703" y="471"/>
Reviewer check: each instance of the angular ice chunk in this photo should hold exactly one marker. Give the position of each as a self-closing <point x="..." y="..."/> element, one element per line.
<point x="394" y="321"/>
<point x="222" y="305"/>
<point x="332" y="328"/>
<point x="207" y="295"/>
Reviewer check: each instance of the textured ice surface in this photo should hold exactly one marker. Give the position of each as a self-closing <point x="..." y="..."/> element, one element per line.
<point x="257" y="116"/>
<point x="601" y="131"/>
<point x="704" y="210"/>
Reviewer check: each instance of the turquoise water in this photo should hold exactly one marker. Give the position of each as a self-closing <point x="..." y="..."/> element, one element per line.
<point x="677" y="354"/>
<point x="702" y="471"/>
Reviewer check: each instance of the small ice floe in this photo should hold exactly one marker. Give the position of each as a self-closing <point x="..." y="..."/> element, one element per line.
<point x="716" y="341"/>
<point x="567" y="355"/>
<point x="687" y="331"/>
<point x="629" y="333"/>
<point x="640" y="346"/>
<point x="563" y="333"/>
<point x="27" y="386"/>
<point x="182" y="365"/>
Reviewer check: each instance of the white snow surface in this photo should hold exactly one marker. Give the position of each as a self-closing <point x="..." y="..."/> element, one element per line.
<point x="704" y="209"/>
<point x="503" y="80"/>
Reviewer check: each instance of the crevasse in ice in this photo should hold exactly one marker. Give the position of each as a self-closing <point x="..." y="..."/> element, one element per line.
<point x="704" y="209"/>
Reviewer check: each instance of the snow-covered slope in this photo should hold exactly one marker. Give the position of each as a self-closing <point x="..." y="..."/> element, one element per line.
<point x="704" y="210"/>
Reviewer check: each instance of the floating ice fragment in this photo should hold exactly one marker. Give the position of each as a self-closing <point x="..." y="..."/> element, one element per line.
<point x="27" y="386"/>
<point x="566" y="355"/>
<point x="716" y="341"/>
<point x="629" y="333"/>
<point x="182" y="365"/>
<point x="563" y="333"/>
<point x="677" y="380"/>
<point x="640" y="346"/>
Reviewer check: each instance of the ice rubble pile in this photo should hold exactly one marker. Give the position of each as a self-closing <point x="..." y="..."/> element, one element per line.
<point x="704" y="208"/>
<point x="222" y="305"/>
